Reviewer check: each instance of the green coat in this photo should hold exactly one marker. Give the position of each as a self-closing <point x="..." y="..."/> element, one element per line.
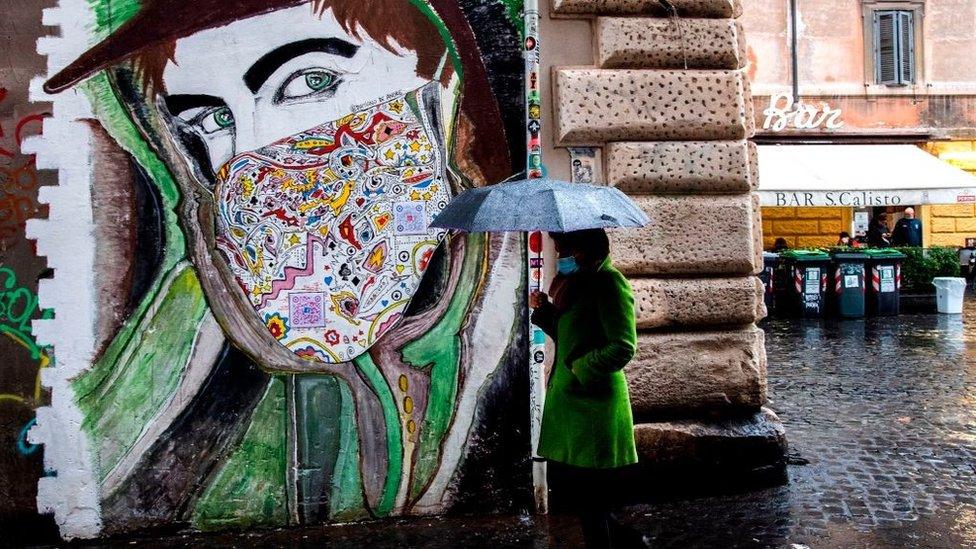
<point x="587" y="420"/>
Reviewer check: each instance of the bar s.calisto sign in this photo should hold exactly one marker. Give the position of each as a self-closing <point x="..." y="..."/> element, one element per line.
<point x="858" y="199"/>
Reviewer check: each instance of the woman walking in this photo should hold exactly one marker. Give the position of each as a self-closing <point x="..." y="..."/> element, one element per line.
<point x="587" y="425"/>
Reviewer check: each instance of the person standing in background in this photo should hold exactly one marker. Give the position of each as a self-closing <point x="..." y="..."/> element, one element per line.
<point x="908" y="230"/>
<point x="845" y="240"/>
<point x="878" y="234"/>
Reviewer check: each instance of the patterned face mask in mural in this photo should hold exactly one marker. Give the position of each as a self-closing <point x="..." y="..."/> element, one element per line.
<point x="327" y="232"/>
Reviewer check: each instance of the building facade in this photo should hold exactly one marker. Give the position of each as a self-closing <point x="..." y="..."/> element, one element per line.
<point x="867" y="72"/>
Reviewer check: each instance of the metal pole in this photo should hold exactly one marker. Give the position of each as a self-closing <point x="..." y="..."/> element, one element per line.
<point x="794" y="54"/>
<point x="533" y="167"/>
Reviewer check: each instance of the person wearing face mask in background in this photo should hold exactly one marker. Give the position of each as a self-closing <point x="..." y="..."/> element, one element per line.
<point x="587" y="425"/>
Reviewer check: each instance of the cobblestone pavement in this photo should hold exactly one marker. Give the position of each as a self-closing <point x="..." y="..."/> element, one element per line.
<point x="883" y="410"/>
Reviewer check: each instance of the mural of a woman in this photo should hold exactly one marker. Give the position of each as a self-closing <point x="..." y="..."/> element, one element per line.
<point x="310" y="143"/>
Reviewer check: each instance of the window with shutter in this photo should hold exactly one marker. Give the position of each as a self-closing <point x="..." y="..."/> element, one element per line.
<point x="906" y="50"/>
<point x="894" y="47"/>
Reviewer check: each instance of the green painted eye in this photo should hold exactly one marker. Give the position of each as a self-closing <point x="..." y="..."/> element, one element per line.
<point x="309" y="83"/>
<point x="223" y="118"/>
<point x="214" y="120"/>
<point x="318" y="80"/>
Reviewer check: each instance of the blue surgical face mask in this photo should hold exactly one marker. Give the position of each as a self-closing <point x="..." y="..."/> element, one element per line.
<point x="567" y="265"/>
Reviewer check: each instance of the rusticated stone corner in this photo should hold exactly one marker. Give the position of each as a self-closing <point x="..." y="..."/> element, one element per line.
<point x="761" y="311"/>
<point x="595" y="106"/>
<point x="750" y="112"/>
<point x="696" y="301"/>
<point x="693" y="373"/>
<point x="757" y="234"/>
<point x="646" y="43"/>
<point x="744" y="442"/>
<point x="684" y="8"/>
<point x="698" y="167"/>
<point x="694" y="235"/>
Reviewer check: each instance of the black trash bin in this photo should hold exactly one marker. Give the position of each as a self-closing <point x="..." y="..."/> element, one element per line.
<point x="849" y="283"/>
<point x="808" y="284"/>
<point x="768" y="278"/>
<point x="884" y="286"/>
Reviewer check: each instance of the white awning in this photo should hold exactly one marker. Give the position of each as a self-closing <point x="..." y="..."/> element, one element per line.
<point x="859" y="176"/>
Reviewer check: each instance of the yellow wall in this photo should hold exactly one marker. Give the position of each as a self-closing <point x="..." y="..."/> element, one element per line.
<point x="961" y="154"/>
<point x="804" y="227"/>
<point x="942" y="225"/>
<point x="948" y="225"/>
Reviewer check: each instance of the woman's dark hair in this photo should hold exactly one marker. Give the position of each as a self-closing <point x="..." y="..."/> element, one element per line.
<point x="780" y="244"/>
<point x="592" y="244"/>
<point x="844" y="234"/>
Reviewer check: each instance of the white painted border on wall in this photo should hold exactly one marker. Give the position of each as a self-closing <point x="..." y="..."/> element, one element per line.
<point x="66" y="238"/>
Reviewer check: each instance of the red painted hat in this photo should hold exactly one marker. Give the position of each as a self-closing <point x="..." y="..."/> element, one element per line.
<point x="156" y="22"/>
<point x="160" y="21"/>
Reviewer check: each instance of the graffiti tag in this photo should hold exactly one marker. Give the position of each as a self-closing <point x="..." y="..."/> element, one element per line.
<point x="17" y="306"/>
<point x="18" y="175"/>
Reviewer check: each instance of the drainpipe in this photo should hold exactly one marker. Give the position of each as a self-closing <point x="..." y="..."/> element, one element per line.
<point x="794" y="55"/>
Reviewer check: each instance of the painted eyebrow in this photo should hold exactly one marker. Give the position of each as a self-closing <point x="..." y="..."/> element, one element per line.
<point x="180" y="103"/>
<point x="263" y="68"/>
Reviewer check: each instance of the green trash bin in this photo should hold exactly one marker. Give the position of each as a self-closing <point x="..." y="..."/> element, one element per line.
<point x="808" y="285"/>
<point x="849" y="283"/>
<point x="884" y="281"/>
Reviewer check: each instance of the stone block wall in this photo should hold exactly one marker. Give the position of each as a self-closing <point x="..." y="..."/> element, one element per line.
<point x="948" y="224"/>
<point x="961" y="153"/>
<point x="804" y="227"/>
<point x="668" y="101"/>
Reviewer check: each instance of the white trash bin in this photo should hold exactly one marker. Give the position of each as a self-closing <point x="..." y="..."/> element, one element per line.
<point x="949" y="292"/>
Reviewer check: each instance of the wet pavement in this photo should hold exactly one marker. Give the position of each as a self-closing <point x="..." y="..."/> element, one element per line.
<point x="881" y="418"/>
<point x="884" y="411"/>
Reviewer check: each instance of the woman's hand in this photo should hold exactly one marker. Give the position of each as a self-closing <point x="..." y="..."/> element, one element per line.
<point x="537" y="299"/>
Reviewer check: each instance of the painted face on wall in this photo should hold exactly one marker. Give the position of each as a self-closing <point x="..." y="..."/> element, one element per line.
<point x="254" y="143"/>
<point x="328" y="163"/>
<point x="275" y="75"/>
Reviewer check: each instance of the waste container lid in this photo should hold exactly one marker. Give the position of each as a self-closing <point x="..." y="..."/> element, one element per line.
<point x="805" y="255"/>
<point x="850" y="256"/>
<point x="884" y="253"/>
<point x="946" y="281"/>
